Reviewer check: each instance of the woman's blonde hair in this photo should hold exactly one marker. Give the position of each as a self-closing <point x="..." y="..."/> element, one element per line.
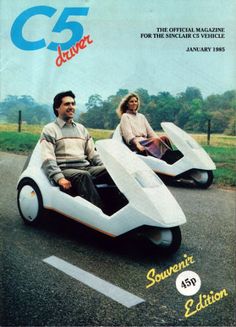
<point x="123" y="106"/>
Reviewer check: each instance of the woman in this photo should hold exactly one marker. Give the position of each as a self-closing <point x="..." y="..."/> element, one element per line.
<point x="137" y="132"/>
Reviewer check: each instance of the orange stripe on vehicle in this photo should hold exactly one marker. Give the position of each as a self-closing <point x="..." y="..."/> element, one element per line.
<point x="83" y="223"/>
<point x="157" y="172"/>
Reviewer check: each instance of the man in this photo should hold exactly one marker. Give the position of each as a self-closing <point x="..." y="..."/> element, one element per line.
<point x="68" y="153"/>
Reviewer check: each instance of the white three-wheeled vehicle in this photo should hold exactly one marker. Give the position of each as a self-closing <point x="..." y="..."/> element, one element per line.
<point x="137" y="202"/>
<point x="192" y="162"/>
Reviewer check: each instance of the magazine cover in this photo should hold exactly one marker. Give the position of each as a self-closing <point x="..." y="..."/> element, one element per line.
<point x="117" y="156"/>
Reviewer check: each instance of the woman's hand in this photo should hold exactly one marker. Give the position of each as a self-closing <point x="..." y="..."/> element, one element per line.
<point x="140" y="147"/>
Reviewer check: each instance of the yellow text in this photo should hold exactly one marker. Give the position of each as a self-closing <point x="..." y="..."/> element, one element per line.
<point x="203" y="302"/>
<point x="154" y="277"/>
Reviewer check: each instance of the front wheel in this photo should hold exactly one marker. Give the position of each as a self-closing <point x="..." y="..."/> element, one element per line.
<point x="202" y="179"/>
<point x="166" y="240"/>
<point x="30" y="203"/>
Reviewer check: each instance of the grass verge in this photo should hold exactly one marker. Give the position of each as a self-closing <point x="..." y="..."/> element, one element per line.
<point x="22" y="143"/>
<point x="224" y="158"/>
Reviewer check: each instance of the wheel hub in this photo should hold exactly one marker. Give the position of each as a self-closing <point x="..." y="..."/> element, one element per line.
<point x="200" y="176"/>
<point x="160" y="237"/>
<point x="28" y="202"/>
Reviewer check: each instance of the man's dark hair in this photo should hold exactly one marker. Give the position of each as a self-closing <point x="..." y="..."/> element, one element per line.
<point x="58" y="100"/>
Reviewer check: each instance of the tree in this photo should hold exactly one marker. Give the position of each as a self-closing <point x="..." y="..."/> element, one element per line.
<point x="143" y="95"/>
<point x="32" y="112"/>
<point x="218" y="122"/>
<point x="231" y="129"/>
<point x="122" y="93"/>
<point x="94" y="101"/>
<point x="191" y="93"/>
<point x="221" y="102"/>
<point x="188" y="110"/>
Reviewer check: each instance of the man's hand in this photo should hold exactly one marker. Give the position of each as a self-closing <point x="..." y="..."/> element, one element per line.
<point x="64" y="183"/>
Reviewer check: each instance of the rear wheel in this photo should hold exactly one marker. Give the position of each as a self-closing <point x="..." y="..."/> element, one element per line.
<point x="30" y="203"/>
<point x="202" y="179"/>
<point x="167" y="240"/>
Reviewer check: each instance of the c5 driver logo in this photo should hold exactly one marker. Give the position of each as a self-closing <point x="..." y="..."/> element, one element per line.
<point x="27" y="16"/>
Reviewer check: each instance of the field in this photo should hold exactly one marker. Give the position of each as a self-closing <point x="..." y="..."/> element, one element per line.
<point x="222" y="148"/>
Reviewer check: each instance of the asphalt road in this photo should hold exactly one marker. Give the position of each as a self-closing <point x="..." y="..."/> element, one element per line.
<point x="36" y="294"/>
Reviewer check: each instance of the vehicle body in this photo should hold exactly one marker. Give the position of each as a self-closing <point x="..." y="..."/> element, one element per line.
<point x="194" y="164"/>
<point x="139" y="200"/>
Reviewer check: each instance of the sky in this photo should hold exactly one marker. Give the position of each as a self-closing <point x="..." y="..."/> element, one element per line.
<point x="119" y="57"/>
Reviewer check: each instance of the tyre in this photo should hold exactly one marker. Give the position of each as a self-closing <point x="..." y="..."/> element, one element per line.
<point x="166" y="240"/>
<point x="202" y="179"/>
<point x="29" y="202"/>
